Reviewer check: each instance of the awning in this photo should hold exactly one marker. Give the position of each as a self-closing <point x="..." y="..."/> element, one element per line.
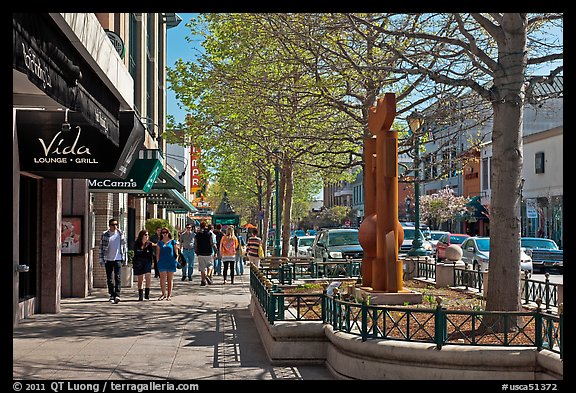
<point x="141" y="178"/>
<point x="43" y="53"/>
<point x="77" y="151"/>
<point x="167" y="181"/>
<point x="170" y="199"/>
<point x="474" y="211"/>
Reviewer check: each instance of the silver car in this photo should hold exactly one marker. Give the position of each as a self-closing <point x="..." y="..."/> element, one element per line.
<point x="476" y="252"/>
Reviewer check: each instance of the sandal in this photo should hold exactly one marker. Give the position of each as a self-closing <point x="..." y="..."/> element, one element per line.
<point x="169" y="298"/>
<point x="162" y="297"/>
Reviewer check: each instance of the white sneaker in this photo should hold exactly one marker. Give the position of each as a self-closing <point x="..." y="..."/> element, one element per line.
<point x="116" y="300"/>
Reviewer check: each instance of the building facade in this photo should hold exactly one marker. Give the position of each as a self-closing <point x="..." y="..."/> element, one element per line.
<point x="88" y="114"/>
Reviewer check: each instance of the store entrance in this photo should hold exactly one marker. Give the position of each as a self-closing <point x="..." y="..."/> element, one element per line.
<point x="28" y="236"/>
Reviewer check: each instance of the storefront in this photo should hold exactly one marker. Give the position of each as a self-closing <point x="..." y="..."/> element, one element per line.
<point x="68" y="126"/>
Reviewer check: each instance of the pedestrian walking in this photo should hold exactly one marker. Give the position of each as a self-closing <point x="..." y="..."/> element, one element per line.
<point x="144" y="255"/>
<point x="155" y="238"/>
<point x="166" y="254"/>
<point x="187" y="239"/>
<point x="113" y="254"/>
<point x="228" y="245"/>
<point x="210" y="266"/>
<point x="240" y="251"/>
<point x="218" y="260"/>
<point x="253" y="245"/>
<point x="205" y="248"/>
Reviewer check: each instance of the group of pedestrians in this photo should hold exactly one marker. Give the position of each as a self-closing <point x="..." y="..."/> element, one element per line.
<point x="209" y="245"/>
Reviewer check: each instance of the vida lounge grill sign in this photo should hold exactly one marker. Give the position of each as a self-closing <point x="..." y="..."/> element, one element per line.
<point x="81" y="151"/>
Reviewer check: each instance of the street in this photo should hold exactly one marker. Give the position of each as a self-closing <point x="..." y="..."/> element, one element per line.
<point x="554" y="278"/>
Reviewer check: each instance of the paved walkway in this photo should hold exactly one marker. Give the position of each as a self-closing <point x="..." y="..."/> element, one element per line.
<point x="204" y="333"/>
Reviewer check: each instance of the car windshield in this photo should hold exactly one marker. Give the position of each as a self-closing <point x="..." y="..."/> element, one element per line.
<point x="437" y="235"/>
<point x="455" y="239"/>
<point x="483" y="244"/>
<point x="409" y="234"/>
<point x="538" y="243"/>
<point x="344" y="238"/>
<point x="306" y="242"/>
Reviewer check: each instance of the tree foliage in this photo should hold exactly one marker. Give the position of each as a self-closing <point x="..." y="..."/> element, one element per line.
<point x="442" y="206"/>
<point x="304" y="83"/>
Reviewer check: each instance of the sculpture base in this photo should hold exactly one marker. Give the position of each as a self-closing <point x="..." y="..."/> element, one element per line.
<point x="405" y="296"/>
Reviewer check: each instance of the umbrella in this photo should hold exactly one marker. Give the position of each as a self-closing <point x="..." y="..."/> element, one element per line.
<point x="249" y="226"/>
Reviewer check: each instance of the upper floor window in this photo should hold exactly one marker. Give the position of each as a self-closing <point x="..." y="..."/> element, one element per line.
<point x="539" y="162"/>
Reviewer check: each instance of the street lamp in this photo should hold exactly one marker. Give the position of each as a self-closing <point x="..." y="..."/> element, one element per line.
<point x="276" y="161"/>
<point x="259" y="182"/>
<point x="415" y="123"/>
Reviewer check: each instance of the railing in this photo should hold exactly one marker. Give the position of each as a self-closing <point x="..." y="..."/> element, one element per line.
<point x="284" y="270"/>
<point x="546" y="291"/>
<point x="468" y="278"/>
<point x="426" y="269"/>
<point x="432" y="325"/>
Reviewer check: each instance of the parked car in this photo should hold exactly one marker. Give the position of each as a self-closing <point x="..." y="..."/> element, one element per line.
<point x="336" y="244"/>
<point x="544" y="252"/>
<point x="447" y="240"/>
<point x="304" y="244"/>
<point x="423" y="227"/>
<point x="434" y="237"/>
<point x="476" y="252"/>
<point x="409" y="233"/>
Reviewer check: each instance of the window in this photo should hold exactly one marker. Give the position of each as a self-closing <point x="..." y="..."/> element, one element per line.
<point x="485" y="174"/>
<point x="539" y="162"/>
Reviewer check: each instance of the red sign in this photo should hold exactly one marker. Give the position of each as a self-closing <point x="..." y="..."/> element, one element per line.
<point x="194" y="169"/>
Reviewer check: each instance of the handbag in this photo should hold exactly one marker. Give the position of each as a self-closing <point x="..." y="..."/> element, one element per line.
<point x="260" y="251"/>
<point x="180" y="260"/>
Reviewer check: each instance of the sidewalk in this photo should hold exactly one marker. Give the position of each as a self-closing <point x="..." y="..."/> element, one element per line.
<point x="204" y="333"/>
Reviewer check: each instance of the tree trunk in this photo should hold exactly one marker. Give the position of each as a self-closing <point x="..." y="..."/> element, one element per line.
<point x="266" y="206"/>
<point x="506" y="166"/>
<point x="287" y="175"/>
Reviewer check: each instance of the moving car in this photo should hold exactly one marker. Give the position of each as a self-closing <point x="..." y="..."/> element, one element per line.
<point x="447" y="240"/>
<point x="434" y="237"/>
<point x="544" y="252"/>
<point x="304" y="243"/>
<point x="476" y="252"/>
<point x="336" y="244"/>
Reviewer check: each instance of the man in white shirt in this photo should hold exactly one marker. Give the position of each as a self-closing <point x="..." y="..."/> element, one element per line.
<point x="113" y="254"/>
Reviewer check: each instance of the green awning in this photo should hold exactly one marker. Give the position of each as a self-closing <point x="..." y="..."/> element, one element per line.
<point x="167" y="181"/>
<point x="169" y="199"/>
<point x="474" y="210"/>
<point x="141" y="178"/>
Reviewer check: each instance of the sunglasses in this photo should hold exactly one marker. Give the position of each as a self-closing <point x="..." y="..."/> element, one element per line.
<point x="163" y="232"/>
<point x="114" y="224"/>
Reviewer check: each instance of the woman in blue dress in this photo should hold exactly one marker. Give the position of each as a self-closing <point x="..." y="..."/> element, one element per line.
<point x="166" y="253"/>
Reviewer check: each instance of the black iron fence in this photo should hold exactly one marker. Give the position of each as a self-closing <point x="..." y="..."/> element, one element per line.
<point x="437" y="325"/>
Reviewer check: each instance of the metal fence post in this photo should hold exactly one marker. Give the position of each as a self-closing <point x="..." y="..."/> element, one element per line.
<point x="439" y="324"/>
<point x="364" y="320"/>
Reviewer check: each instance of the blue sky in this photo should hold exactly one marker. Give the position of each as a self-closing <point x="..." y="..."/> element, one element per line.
<point x="178" y="47"/>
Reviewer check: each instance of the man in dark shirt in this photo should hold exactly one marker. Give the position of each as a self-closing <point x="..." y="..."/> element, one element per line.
<point x="218" y="261"/>
<point x="205" y="248"/>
